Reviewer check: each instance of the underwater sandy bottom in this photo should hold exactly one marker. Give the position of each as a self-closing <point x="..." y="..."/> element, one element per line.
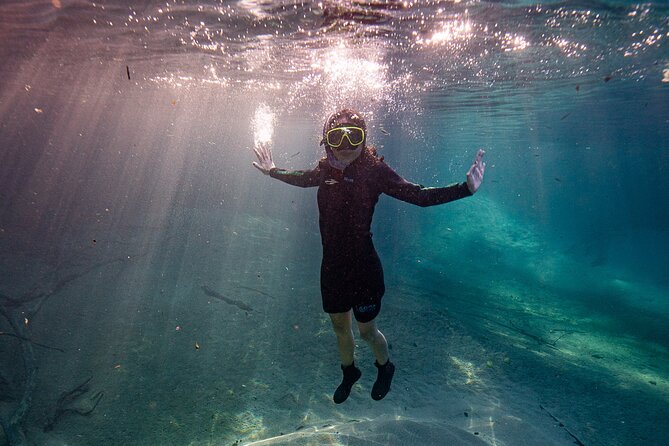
<point x="178" y="365"/>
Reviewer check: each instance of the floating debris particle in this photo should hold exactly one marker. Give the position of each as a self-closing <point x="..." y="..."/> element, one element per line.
<point x="607" y="78"/>
<point x="197" y="346"/>
<point x="38" y="110"/>
<point x="56" y="4"/>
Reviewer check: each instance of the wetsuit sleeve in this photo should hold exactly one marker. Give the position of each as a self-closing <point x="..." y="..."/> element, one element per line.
<point x="397" y="187"/>
<point x="301" y="178"/>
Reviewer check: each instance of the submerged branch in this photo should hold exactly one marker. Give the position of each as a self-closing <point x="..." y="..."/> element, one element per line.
<point x="561" y="424"/>
<point x="68" y="400"/>
<point x="12" y="425"/>
<point x="38" y="344"/>
<point x="16" y="311"/>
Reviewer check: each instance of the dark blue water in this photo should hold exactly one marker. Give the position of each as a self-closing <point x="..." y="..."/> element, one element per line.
<point x="534" y="312"/>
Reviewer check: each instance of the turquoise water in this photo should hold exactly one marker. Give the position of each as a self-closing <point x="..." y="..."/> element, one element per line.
<point x="535" y="312"/>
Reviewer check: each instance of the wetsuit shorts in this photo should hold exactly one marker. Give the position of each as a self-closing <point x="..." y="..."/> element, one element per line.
<point x="354" y="285"/>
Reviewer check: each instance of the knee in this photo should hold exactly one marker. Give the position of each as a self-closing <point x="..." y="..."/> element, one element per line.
<point x="368" y="335"/>
<point x="341" y="328"/>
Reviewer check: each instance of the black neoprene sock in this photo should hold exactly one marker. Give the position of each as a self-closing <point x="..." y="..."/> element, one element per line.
<point x="351" y="375"/>
<point x="383" y="379"/>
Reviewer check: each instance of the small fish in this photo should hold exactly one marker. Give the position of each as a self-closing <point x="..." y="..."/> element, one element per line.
<point x="295" y="154"/>
<point x="237" y="303"/>
<point x="384" y="131"/>
<point x="578" y="87"/>
<point x="197" y="346"/>
<point x="558" y="180"/>
<point x="127" y="70"/>
<point x="565" y="116"/>
<point x="607" y="78"/>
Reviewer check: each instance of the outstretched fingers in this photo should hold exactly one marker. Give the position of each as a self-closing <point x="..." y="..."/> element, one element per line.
<point x="479" y="166"/>
<point x="479" y="157"/>
<point x="263" y="152"/>
<point x="268" y="152"/>
<point x="265" y="162"/>
<point x="475" y="172"/>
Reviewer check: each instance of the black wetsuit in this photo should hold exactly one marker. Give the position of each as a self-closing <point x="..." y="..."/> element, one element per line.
<point x="351" y="272"/>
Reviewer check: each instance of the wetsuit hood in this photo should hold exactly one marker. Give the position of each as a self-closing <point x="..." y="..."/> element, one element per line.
<point x="340" y="118"/>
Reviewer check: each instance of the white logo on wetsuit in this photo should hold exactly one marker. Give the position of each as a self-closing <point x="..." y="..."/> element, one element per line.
<point x="366" y="308"/>
<point x="331" y="182"/>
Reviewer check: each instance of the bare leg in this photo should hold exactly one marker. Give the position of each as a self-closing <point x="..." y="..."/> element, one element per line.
<point x="371" y="334"/>
<point x="341" y="323"/>
<point x="386" y="369"/>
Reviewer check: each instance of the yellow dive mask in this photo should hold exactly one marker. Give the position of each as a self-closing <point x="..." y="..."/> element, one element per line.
<point x="335" y="137"/>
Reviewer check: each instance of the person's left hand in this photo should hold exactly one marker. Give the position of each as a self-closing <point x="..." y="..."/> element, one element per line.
<point x="475" y="174"/>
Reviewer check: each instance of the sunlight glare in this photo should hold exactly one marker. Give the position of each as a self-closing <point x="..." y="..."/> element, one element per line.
<point x="348" y="77"/>
<point x="263" y="125"/>
<point x="451" y="31"/>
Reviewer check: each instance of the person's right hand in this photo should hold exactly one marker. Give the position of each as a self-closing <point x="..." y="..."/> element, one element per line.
<point x="264" y="153"/>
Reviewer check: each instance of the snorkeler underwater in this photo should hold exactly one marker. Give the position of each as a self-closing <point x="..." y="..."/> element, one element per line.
<point x="475" y="254"/>
<point x="350" y="179"/>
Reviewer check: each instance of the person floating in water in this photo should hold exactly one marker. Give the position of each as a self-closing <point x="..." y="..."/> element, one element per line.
<point x="350" y="179"/>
